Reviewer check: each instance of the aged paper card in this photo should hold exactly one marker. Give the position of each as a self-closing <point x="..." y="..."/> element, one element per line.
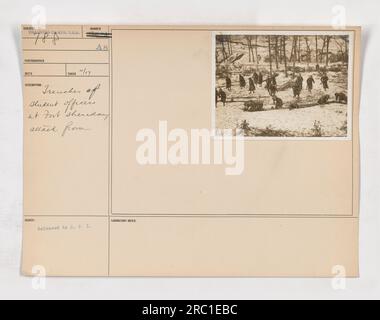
<point x="191" y="151"/>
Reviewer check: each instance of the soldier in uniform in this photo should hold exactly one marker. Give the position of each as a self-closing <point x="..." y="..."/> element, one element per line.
<point x="277" y="102"/>
<point x="255" y="77"/>
<point x="268" y="83"/>
<point x="223" y="96"/>
<point x="228" y="83"/>
<point x="260" y="79"/>
<point x="273" y="86"/>
<point x="272" y="89"/>
<point x="341" y="97"/>
<point x="296" y="90"/>
<point x="324" y="99"/>
<point x="325" y="81"/>
<point x="274" y="80"/>
<point x="297" y="86"/>
<point x="252" y="87"/>
<point x="242" y="81"/>
<point x="299" y="82"/>
<point x="310" y="82"/>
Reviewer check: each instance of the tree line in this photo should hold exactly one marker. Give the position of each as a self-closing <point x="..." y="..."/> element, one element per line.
<point x="302" y="49"/>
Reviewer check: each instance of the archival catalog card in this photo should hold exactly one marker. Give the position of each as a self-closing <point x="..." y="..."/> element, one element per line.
<point x="191" y="151"/>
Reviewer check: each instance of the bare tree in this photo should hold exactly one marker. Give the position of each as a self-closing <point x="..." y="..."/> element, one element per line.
<point x="346" y="47"/>
<point x="270" y="54"/>
<point x="323" y="50"/>
<point x="223" y="48"/>
<point x="284" y="52"/>
<point x="256" y="45"/>
<point x="308" y="50"/>
<point x="346" y="54"/>
<point x="299" y="49"/>
<point x="276" y="51"/>
<point x="250" y="49"/>
<point x="316" y="49"/>
<point x="294" y="54"/>
<point x="328" y="39"/>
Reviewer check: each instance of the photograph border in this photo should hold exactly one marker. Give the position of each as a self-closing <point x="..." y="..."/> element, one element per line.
<point x="311" y="32"/>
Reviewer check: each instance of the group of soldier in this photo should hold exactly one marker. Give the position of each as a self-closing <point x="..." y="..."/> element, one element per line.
<point x="298" y="84"/>
<point x="257" y="79"/>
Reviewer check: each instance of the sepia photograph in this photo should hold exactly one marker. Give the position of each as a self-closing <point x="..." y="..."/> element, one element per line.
<point x="283" y="84"/>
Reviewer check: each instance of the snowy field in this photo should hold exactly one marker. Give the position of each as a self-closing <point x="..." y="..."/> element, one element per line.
<point x="332" y="118"/>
